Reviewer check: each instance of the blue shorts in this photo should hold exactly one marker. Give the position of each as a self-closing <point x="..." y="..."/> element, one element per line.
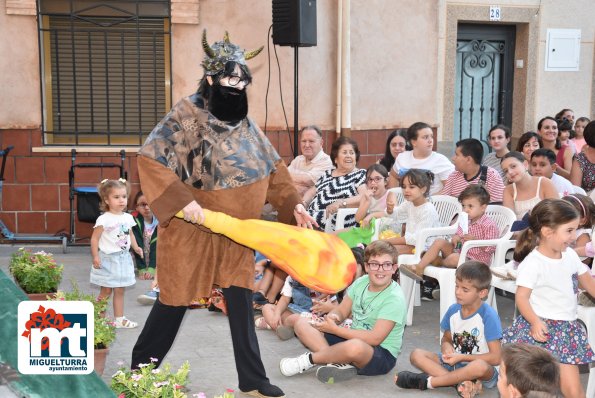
<point x="381" y="363"/>
<point x="486" y="383"/>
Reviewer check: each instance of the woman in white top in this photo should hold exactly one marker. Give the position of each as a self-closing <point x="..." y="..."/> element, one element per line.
<point x="524" y="190"/>
<point x="421" y="157"/>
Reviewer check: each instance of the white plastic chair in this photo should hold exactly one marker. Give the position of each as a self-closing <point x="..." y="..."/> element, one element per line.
<point x="507" y="285"/>
<point x="342" y="215"/>
<point x="398" y="191"/>
<point x="447" y="207"/>
<point x="503" y="217"/>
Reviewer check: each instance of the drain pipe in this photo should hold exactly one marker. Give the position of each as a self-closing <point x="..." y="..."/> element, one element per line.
<point x="346" y="70"/>
<point x="339" y="74"/>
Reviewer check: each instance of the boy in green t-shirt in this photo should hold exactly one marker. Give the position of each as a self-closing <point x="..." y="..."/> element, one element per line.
<point x="371" y="346"/>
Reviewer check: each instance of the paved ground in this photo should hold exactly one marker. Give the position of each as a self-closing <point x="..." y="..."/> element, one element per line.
<point x="205" y="342"/>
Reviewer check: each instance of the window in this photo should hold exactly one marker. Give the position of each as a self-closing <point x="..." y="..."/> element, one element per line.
<point x="106" y="70"/>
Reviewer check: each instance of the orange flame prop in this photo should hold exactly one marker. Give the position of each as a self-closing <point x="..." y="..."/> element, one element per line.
<point x="319" y="261"/>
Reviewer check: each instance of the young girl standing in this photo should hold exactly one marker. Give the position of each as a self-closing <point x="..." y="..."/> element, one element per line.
<point x="113" y="269"/>
<point x="547" y="285"/>
<point x="524" y="190"/>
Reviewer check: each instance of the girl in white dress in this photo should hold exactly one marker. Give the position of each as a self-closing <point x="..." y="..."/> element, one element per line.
<point x="113" y="268"/>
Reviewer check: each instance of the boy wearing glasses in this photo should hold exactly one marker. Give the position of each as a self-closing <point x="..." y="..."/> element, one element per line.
<point x="371" y="346"/>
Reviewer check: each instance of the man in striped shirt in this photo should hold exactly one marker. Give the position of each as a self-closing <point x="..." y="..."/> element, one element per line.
<point x="468" y="170"/>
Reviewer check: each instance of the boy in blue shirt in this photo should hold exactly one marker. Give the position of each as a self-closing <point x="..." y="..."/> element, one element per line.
<point x="371" y="346"/>
<point x="470" y="347"/>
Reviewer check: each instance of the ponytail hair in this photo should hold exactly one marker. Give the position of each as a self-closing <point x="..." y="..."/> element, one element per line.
<point x="420" y="178"/>
<point x="548" y="213"/>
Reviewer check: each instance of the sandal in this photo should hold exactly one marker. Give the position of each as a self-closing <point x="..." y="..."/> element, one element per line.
<point x="125" y="323"/>
<point x="469" y="389"/>
<point x="260" y="323"/>
<point x="408" y="270"/>
<point x="408" y="380"/>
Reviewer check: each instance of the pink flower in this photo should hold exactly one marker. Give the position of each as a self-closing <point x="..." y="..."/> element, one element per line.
<point x="153" y="359"/>
<point x="122" y="395"/>
<point x="136" y="377"/>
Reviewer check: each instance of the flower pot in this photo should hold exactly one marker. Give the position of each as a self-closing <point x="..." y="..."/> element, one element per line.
<point x="40" y="296"/>
<point x="100" y="358"/>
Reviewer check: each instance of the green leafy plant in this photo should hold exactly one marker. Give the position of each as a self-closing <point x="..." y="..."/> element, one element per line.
<point x="149" y="382"/>
<point x="105" y="330"/>
<point x="35" y="272"/>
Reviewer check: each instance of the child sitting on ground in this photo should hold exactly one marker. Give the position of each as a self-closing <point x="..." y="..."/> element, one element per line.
<point x="281" y="317"/>
<point x="371" y="346"/>
<point x="470" y="347"/>
<point x="474" y="200"/>
<point x="543" y="164"/>
<point x="526" y="368"/>
<point x="296" y="301"/>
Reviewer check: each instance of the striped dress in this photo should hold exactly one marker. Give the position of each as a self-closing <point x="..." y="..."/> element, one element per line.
<point x="329" y="189"/>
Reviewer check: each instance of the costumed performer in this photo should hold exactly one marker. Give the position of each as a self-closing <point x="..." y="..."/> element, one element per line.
<point x="207" y="153"/>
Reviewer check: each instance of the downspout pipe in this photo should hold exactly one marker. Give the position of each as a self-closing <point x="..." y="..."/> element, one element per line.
<point x="339" y="63"/>
<point x="346" y="70"/>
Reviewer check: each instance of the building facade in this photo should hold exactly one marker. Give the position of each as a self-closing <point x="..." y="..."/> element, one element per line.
<point x="97" y="75"/>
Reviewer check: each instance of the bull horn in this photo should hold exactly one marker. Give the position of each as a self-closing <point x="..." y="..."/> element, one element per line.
<point x="205" y="45"/>
<point x="226" y="37"/>
<point x="251" y="54"/>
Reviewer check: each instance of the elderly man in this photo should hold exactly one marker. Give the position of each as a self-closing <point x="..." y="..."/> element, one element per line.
<point x="307" y="168"/>
<point x="207" y="153"/>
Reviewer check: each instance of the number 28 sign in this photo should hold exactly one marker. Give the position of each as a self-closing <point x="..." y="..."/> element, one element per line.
<point x="495" y="13"/>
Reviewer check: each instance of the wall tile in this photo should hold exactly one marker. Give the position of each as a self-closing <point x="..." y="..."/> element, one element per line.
<point x="20" y="139"/>
<point x="31" y="222"/>
<point x="45" y="197"/>
<point x="29" y="170"/>
<point x="16" y="198"/>
<point x="57" y="221"/>
<point x="56" y="169"/>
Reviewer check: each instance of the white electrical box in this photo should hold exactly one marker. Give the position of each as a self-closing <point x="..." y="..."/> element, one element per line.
<point x="562" y="50"/>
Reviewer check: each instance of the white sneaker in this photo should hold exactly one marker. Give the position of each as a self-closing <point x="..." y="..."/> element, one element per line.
<point x="334" y="372"/>
<point x="293" y="366"/>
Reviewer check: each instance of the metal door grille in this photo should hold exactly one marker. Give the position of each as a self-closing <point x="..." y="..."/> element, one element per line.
<point x="109" y="72"/>
<point x="477" y="96"/>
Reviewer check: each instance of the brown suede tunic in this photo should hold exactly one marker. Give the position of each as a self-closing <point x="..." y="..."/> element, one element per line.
<point x="191" y="259"/>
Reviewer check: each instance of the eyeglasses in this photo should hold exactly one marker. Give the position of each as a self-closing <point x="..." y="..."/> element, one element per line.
<point x="375" y="179"/>
<point x="142" y="205"/>
<point x="387" y="266"/>
<point x="235" y="80"/>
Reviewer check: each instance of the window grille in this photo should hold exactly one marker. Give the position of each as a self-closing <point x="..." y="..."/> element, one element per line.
<point x="106" y="68"/>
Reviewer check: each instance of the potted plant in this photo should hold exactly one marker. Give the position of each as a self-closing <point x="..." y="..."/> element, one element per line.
<point x="105" y="330"/>
<point x="36" y="273"/>
<point x="150" y="382"/>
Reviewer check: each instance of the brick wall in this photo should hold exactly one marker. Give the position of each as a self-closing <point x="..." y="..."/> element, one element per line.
<point x="36" y="194"/>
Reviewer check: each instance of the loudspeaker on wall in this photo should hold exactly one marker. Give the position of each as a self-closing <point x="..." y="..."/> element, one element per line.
<point x="294" y="23"/>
